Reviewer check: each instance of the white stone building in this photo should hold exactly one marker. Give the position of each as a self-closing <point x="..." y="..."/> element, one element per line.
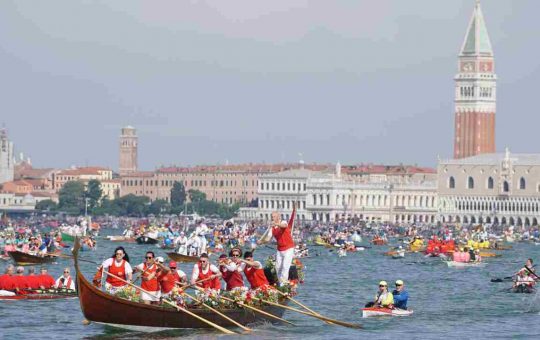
<point x="500" y="188"/>
<point x="7" y="160"/>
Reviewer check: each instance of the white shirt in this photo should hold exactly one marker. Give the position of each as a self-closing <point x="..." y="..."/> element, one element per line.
<point x="59" y="283"/>
<point x="181" y="274"/>
<point x="195" y="274"/>
<point x="109" y="262"/>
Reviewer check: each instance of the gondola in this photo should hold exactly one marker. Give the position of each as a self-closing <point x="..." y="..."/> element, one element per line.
<point x="182" y="258"/>
<point x="146" y="240"/>
<point x="25" y="259"/>
<point x="101" y="307"/>
<point x="48" y="294"/>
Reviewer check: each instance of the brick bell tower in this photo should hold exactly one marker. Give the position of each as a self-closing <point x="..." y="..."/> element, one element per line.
<point x="128" y="150"/>
<point x="475" y="96"/>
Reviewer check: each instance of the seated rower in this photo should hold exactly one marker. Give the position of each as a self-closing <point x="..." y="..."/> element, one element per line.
<point x="254" y="272"/>
<point x="65" y="281"/>
<point x="384" y="298"/>
<point x="230" y="271"/>
<point x="118" y="265"/>
<point x="205" y="275"/>
<point x="400" y="295"/>
<point x="21" y="282"/>
<point x="524" y="279"/>
<point x="45" y="280"/>
<point x="32" y="278"/>
<point x="7" y="282"/>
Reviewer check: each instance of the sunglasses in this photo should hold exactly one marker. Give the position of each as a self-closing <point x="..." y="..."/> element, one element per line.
<point x="382" y="286"/>
<point x="236" y="256"/>
<point x="204" y="261"/>
<point x="66" y="272"/>
<point x="149" y="257"/>
<point x="398" y="285"/>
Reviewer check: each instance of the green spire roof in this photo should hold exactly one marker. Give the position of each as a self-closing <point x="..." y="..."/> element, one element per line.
<point x="477" y="39"/>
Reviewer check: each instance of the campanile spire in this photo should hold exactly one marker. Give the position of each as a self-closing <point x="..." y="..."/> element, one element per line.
<point x="475" y="91"/>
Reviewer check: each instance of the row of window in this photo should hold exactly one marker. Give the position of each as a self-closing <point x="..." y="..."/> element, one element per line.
<point x="281" y="204"/>
<point x="192" y="183"/>
<point x="376" y="200"/>
<point x="469" y="91"/>
<point x="490" y="184"/>
<point x="281" y="186"/>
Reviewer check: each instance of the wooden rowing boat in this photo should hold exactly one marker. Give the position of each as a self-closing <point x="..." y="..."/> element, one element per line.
<point x="379" y="311"/>
<point x="182" y="258"/>
<point x="121" y="239"/>
<point x="48" y="294"/>
<point x="101" y="307"/>
<point x="25" y="259"/>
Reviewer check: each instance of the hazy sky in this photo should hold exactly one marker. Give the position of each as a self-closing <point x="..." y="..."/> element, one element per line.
<point x="238" y="81"/>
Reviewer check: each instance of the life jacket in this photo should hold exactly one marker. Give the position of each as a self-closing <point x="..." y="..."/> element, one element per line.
<point x="176" y="276"/>
<point x="255" y="277"/>
<point x="149" y="285"/>
<point x="233" y="279"/>
<point x="213" y="284"/>
<point x="119" y="271"/>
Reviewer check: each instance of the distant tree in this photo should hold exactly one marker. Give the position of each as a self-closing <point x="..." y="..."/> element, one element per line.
<point x="46" y="205"/>
<point x="93" y="193"/>
<point x="132" y="205"/>
<point x="71" y="198"/>
<point x="178" y="195"/>
<point x="158" y="207"/>
<point x="196" y="196"/>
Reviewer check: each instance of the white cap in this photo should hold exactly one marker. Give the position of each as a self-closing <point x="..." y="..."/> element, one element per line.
<point x="160" y="259"/>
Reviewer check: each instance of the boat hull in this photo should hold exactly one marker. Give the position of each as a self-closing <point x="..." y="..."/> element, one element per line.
<point x="374" y="311"/>
<point x="146" y="240"/>
<point x="455" y="264"/>
<point x="182" y="258"/>
<point x="40" y="296"/>
<point x="24" y="259"/>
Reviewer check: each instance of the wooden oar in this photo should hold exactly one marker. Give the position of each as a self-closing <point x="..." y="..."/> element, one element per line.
<point x="300" y="304"/>
<point x="219" y="313"/>
<point x="196" y="283"/>
<point x="218" y="327"/>
<point x="243" y="305"/>
<point x="64" y="256"/>
<point x="320" y="317"/>
<point x="531" y="271"/>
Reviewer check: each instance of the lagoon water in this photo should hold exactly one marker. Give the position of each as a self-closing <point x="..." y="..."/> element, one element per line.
<point x="447" y="302"/>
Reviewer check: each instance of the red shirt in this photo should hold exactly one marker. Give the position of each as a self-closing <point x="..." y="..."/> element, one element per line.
<point x="213" y="284"/>
<point x="33" y="281"/>
<point x="255" y="277"/>
<point x="22" y="282"/>
<point x="46" y="281"/>
<point x="119" y="271"/>
<point x="283" y="235"/>
<point x="7" y="282"/>
<point x="233" y="279"/>
<point x="166" y="282"/>
<point x="151" y="285"/>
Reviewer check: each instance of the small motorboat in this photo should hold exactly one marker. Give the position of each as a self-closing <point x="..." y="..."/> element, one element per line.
<point x="464" y="264"/>
<point x="380" y="311"/>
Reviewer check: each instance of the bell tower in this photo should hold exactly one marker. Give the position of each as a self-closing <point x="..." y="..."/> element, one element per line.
<point x="475" y="92"/>
<point x="128" y="150"/>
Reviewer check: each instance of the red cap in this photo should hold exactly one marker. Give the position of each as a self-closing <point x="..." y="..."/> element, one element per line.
<point x="172" y="264"/>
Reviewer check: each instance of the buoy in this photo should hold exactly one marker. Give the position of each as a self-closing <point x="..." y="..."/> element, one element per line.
<point x="86" y="322"/>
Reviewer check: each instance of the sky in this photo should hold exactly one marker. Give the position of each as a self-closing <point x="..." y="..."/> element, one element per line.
<point x="215" y="82"/>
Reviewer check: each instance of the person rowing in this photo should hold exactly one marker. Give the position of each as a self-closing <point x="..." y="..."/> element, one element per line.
<point x="282" y="232"/>
<point x="400" y="295"/>
<point x="65" y="281"/>
<point x="117" y="265"/>
<point x="384" y="298"/>
<point x="230" y="269"/>
<point x="207" y="275"/>
<point x="150" y="284"/>
<point x="165" y="278"/>
<point x="254" y="272"/>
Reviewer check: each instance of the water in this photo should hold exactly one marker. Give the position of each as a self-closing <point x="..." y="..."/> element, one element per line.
<point x="450" y="302"/>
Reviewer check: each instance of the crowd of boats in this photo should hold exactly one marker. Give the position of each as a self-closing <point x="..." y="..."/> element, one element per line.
<point x="220" y="298"/>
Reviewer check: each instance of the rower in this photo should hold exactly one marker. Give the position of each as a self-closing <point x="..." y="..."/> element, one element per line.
<point x="20" y="279"/>
<point x="230" y="271"/>
<point x="118" y="265"/>
<point x="523" y="278"/>
<point x="282" y="232"/>
<point x="65" y="281"/>
<point x="179" y="275"/>
<point x="149" y="280"/>
<point x="32" y="278"/>
<point x="254" y="271"/>
<point x="45" y="280"/>
<point x="165" y="277"/>
<point x="204" y="271"/>
<point x="384" y="298"/>
<point x="400" y="295"/>
<point x="7" y="282"/>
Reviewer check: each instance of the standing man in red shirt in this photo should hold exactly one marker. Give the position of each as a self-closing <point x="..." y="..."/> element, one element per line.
<point x="149" y="279"/>
<point x="282" y="232"/>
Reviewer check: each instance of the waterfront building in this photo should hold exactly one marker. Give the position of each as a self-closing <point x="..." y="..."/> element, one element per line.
<point x="475" y="92"/>
<point x="498" y="188"/>
<point x="336" y="196"/>
<point x="7" y="160"/>
<point x="128" y="150"/>
<point x="82" y="174"/>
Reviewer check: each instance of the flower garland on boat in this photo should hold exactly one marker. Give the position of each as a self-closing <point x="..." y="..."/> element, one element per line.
<point x="128" y="293"/>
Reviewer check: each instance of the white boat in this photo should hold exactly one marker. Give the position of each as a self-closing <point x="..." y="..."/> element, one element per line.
<point x="464" y="264"/>
<point x="378" y="311"/>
